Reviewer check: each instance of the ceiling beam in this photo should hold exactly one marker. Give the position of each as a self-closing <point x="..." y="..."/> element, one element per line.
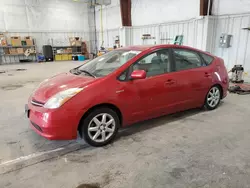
<point x="204" y="5"/>
<point x="125" y="6"/>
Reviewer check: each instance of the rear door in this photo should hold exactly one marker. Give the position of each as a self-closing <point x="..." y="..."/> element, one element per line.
<point x="193" y="78"/>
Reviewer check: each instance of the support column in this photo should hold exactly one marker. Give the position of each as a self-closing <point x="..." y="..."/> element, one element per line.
<point x="125" y="6"/>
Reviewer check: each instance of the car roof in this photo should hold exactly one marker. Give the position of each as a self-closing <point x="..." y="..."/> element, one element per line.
<point x="152" y="47"/>
<point x="138" y="47"/>
<point x="146" y="47"/>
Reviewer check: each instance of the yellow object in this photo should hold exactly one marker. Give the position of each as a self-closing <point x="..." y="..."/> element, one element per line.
<point x="70" y="57"/>
<point x="100" y="53"/>
<point x="65" y="57"/>
<point x="58" y="57"/>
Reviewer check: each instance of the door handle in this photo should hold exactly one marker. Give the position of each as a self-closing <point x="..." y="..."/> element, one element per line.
<point x="170" y="82"/>
<point x="207" y="74"/>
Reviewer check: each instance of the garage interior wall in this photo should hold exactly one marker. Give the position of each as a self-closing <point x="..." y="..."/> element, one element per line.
<point x="144" y="13"/>
<point x="163" y="19"/>
<point x="46" y="20"/>
<point x="231" y="17"/>
<point x="108" y="22"/>
<point x="160" y="19"/>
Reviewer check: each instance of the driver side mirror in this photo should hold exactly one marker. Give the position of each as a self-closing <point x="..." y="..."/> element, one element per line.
<point x="138" y="74"/>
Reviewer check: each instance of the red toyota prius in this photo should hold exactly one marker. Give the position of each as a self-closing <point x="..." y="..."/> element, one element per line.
<point x="125" y="86"/>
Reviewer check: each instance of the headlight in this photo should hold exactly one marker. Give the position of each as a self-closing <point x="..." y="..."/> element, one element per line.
<point x="60" y="98"/>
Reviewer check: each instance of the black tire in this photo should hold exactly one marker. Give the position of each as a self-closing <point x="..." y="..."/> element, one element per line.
<point x="85" y="125"/>
<point x="207" y="104"/>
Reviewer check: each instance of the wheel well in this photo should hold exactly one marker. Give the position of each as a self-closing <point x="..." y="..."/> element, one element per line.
<point x="106" y="105"/>
<point x="221" y="89"/>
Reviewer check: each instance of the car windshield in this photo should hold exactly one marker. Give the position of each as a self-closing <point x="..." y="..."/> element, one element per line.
<point x="107" y="63"/>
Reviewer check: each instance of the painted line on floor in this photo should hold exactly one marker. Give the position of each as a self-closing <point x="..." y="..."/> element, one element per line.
<point x="35" y="158"/>
<point x="24" y="158"/>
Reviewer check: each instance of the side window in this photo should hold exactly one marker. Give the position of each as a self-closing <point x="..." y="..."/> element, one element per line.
<point x="123" y="76"/>
<point x="208" y="59"/>
<point x="154" y="64"/>
<point x="185" y="59"/>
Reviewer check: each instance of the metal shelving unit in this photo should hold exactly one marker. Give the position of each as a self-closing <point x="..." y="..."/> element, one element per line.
<point x="6" y="58"/>
<point x="75" y="50"/>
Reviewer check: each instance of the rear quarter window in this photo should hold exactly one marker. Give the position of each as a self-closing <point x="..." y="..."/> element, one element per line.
<point x="208" y="59"/>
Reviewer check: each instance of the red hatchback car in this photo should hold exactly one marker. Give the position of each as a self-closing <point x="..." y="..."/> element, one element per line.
<point x="125" y="86"/>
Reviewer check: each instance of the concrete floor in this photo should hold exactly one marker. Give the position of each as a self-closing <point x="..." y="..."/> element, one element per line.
<point x="191" y="149"/>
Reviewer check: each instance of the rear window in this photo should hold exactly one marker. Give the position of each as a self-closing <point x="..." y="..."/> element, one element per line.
<point x="208" y="59"/>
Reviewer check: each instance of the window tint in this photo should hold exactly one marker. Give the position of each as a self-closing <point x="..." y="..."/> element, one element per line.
<point x="154" y="64"/>
<point x="208" y="59"/>
<point x="185" y="59"/>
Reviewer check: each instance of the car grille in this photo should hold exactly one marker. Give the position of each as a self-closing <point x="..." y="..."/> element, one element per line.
<point x="37" y="103"/>
<point x="36" y="126"/>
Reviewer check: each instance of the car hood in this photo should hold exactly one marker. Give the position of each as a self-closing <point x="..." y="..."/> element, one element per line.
<point x="61" y="82"/>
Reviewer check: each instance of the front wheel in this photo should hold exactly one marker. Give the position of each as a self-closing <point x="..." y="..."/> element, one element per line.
<point x="213" y="98"/>
<point x="100" y="127"/>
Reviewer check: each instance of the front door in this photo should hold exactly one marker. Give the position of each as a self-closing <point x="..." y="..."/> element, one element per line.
<point x="155" y="92"/>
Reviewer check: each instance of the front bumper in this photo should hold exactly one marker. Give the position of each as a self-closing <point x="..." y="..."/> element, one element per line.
<point x="56" y="124"/>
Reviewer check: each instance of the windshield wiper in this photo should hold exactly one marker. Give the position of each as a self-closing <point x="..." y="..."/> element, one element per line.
<point x="86" y="72"/>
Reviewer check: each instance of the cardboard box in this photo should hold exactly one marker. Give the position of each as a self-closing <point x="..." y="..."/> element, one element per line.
<point x="29" y="41"/>
<point x="13" y="51"/>
<point x="3" y="40"/>
<point x="16" y="41"/>
<point x="75" y="41"/>
<point x="20" y="50"/>
<point x="27" y="52"/>
<point x="69" y="50"/>
<point x="6" y="51"/>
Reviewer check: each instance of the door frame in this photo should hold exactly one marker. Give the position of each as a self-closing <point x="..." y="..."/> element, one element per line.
<point x="185" y="49"/>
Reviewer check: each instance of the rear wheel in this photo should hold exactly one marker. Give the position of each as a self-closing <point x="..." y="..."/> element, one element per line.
<point x="100" y="127"/>
<point x="213" y="98"/>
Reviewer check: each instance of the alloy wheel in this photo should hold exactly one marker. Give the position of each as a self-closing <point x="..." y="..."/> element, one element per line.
<point x="101" y="127"/>
<point x="213" y="97"/>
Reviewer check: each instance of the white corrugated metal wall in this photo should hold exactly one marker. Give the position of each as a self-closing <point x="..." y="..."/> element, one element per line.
<point x="202" y="34"/>
<point x="239" y="52"/>
<point x="194" y="32"/>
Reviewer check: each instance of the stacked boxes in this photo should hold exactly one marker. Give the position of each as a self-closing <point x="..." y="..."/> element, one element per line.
<point x="12" y="51"/>
<point x="29" y="41"/>
<point x="20" y="50"/>
<point x="16" y="41"/>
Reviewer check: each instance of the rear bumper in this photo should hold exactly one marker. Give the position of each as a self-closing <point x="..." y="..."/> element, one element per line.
<point x="58" y="124"/>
